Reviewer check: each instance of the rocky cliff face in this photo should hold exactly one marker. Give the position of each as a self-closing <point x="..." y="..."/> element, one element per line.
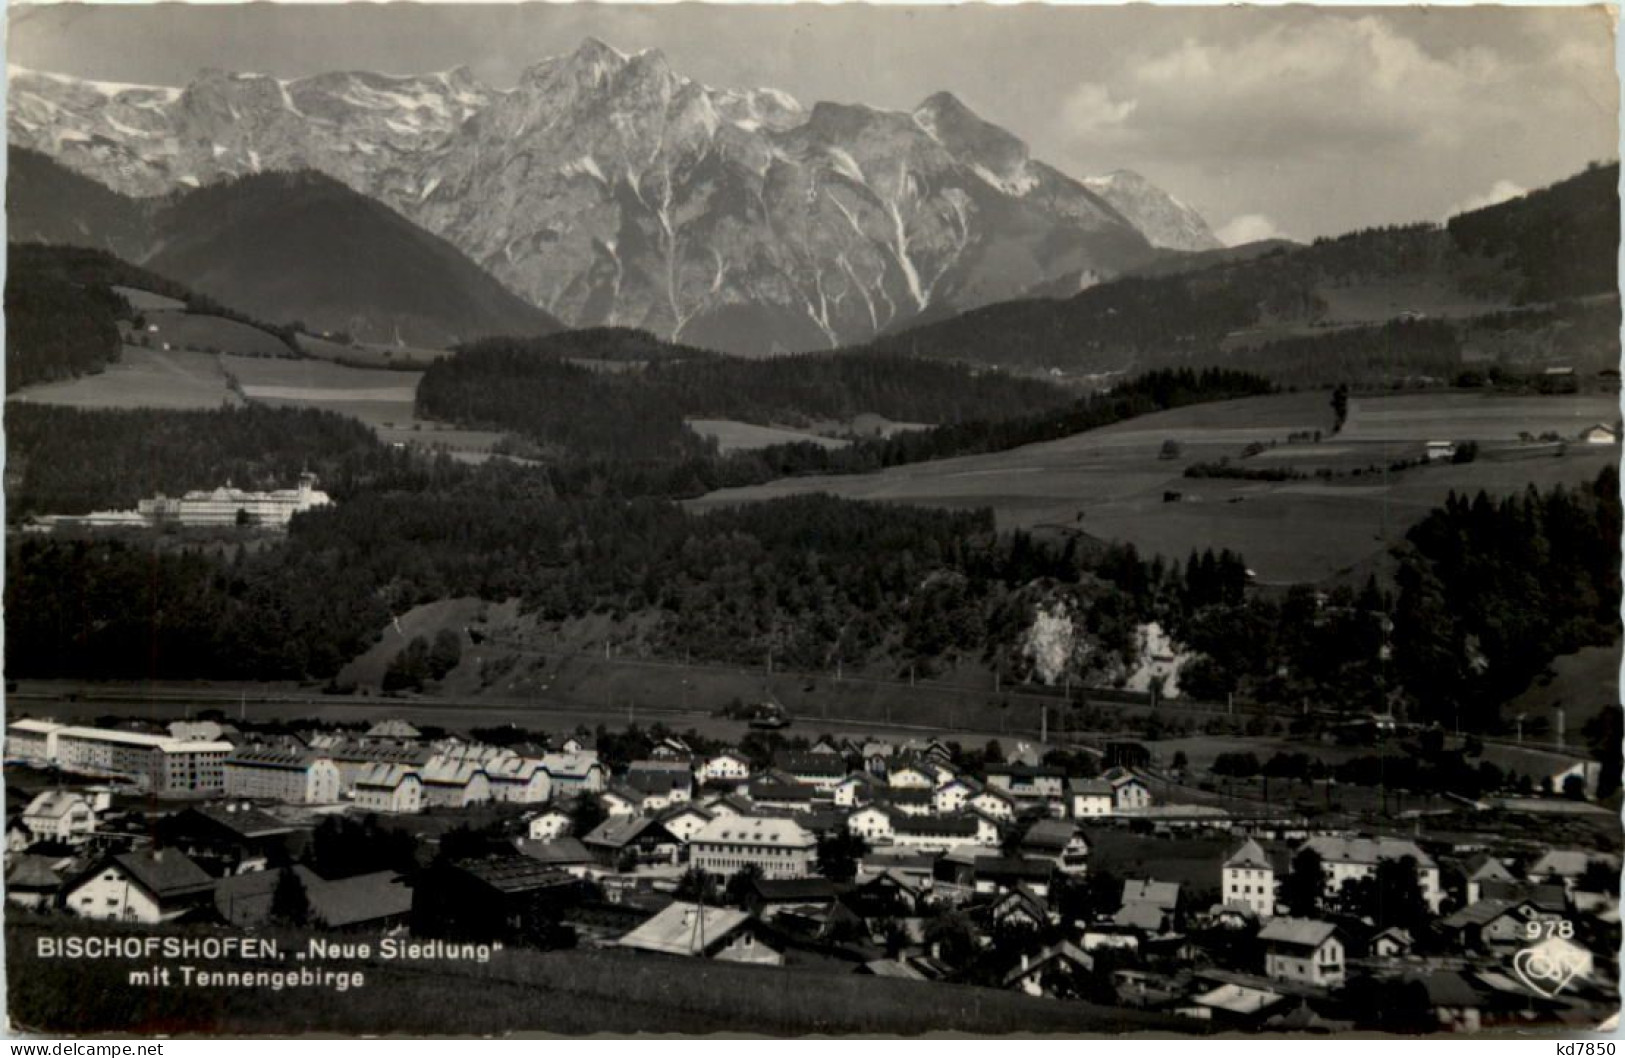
<point x="1159" y="216"/>
<point x="609" y="189"/>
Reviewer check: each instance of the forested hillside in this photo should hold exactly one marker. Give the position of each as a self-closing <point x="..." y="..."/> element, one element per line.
<point x="1556" y="244"/>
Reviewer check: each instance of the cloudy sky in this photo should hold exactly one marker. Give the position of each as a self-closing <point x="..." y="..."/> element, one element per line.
<point x="1296" y="121"/>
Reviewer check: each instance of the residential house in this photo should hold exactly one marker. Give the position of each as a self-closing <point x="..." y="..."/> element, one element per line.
<point x="698" y="931"/>
<point x="685" y="820"/>
<point x="782" y="848"/>
<point x="1495" y="924"/>
<point x="230" y="838"/>
<point x="1149" y="906"/>
<point x="285" y="773"/>
<point x="1345" y="858"/>
<point x="964" y="873"/>
<point x="725" y="767"/>
<point x="579" y="744"/>
<point x="857" y="789"/>
<point x="573" y="773"/>
<point x="518" y="780"/>
<point x="1599" y="434"/>
<point x="388" y="788"/>
<point x="1248" y="878"/>
<point x="355" y="759"/>
<point x="621" y="800"/>
<point x="954" y="795"/>
<point x="994" y="802"/>
<point x="394" y="730"/>
<point x="1480" y="869"/>
<point x="565" y="854"/>
<point x="1129" y="791"/>
<point x="910" y="775"/>
<point x="1059" y="841"/>
<point x="1035" y="973"/>
<point x="773" y="791"/>
<point x="149" y="886"/>
<point x="551" y="825"/>
<point x="1019" y="907"/>
<point x="1456" y="1005"/>
<point x="910" y="801"/>
<point x="1392" y="943"/>
<point x="672" y="748"/>
<point x="1303" y="951"/>
<point x="822" y="771"/>
<point x="622" y="843"/>
<point x="60" y="815"/>
<point x="767" y="897"/>
<point x="33" y="881"/>
<point x="662" y="783"/>
<point x="449" y="782"/>
<point x="1091" y="798"/>
<point x="496" y="897"/>
<point x="1026" y="782"/>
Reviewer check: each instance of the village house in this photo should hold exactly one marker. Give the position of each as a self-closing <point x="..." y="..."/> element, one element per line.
<point x="201" y="731"/>
<point x="59" y="815"/>
<point x="1026" y="782"/>
<point x="1060" y="842"/>
<point x="579" y="744"/>
<point x="1568" y="866"/>
<point x="910" y="775"/>
<point x="857" y="789"/>
<point x="396" y="730"/>
<point x="672" y="749"/>
<point x="696" y="930"/>
<point x="1303" y="951"/>
<point x="910" y="801"/>
<point x="282" y="773"/>
<point x="967" y="873"/>
<point x="1392" y="943"/>
<point x="492" y="897"/>
<point x="33" y="881"/>
<point x="1152" y="907"/>
<point x="1600" y="434"/>
<point x="822" y="771"/>
<point x="1090" y="798"/>
<point x="1129" y="792"/>
<point x="565" y="854"/>
<point x="782" y="848"/>
<point x="355" y="759"/>
<point x="1248" y="879"/>
<point x="1063" y="959"/>
<point x="518" y="780"/>
<point x="725" y="767"/>
<point x="388" y="788"/>
<point x="768" y="897"/>
<point x="148" y="886"/>
<point x="156" y="764"/>
<point x="451" y="783"/>
<point x="1344" y="858"/>
<point x="621" y="800"/>
<point x="229" y="838"/>
<point x="1492" y="924"/>
<point x="622" y="843"/>
<point x="995" y="803"/>
<point x="551" y="825"/>
<point x="662" y="783"/>
<point x="954" y="795"/>
<point x="1481" y="869"/>
<point x="771" y="790"/>
<point x="685" y="820"/>
<point x="575" y="772"/>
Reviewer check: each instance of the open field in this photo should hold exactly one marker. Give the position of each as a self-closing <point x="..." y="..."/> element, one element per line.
<point x="734" y="436"/>
<point x="361" y="354"/>
<point x="143" y="378"/>
<point x="147" y="301"/>
<point x="1112" y="485"/>
<point x="212" y="334"/>
<point x="571" y="992"/>
<point x="1582" y="683"/>
<point x="382" y="399"/>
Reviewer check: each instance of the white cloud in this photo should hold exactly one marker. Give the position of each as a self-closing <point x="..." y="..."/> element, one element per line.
<point x="1249" y="227"/>
<point x="1501" y="191"/>
<point x="1091" y="109"/>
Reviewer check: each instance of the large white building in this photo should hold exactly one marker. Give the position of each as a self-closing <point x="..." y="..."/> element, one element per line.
<point x="782" y="848"/>
<point x="1344" y="858"/>
<point x="278" y="774"/>
<point x="1248" y="880"/>
<point x="156" y="764"/>
<point x="221" y="506"/>
<point x="32" y="741"/>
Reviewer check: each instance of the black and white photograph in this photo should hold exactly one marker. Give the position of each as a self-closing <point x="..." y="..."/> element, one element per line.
<point x="812" y="520"/>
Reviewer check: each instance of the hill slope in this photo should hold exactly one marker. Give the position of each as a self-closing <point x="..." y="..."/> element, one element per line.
<point x="1552" y="246"/>
<point x="287" y="246"/>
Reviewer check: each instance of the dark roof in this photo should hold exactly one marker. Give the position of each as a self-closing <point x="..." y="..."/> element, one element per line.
<point x="905" y="795"/>
<point x="31" y="872"/>
<point x="1446" y="988"/>
<point x="1012" y="867"/>
<point x="245" y="899"/>
<point x="661" y="781"/>
<point x="245" y="821"/>
<point x="1026" y="771"/>
<point x="793" y="889"/>
<point x="618" y="832"/>
<point x="1050" y="834"/>
<point x="165" y="873"/>
<point x="564" y="850"/>
<point x="362" y="898"/>
<point x="761" y="790"/>
<point x="513" y="874"/>
<point x="939" y="826"/>
<point x="831" y="765"/>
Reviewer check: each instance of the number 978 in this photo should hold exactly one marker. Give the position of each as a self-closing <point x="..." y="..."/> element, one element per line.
<point x="1541" y="929"/>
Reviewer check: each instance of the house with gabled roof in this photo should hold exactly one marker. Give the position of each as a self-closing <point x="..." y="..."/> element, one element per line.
<point x="1090" y="798"/>
<point x="449" y="783"/>
<point x="518" y="780"/>
<point x="1345" y="858"/>
<point x="1248" y="878"/>
<point x="729" y="766"/>
<point x="1059" y="841"/>
<point x="1019" y="906"/>
<point x="699" y="931"/>
<point x="642" y="840"/>
<point x="661" y="783"/>
<point x="1480" y="869"/>
<point x="389" y="788"/>
<point x="574" y="773"/>
<point x="565" y="854"/>
<point x="60" y="815"/>
<point x="857" y="789"/>
<point x="770" y="791"/>
<point x="1303" y="951"/>
<point x="910" y="774"/>
<point x="1033" y="971"/>
<point x="1129" y="792"/>
<point x="994" y="802"/>
<point x="33" y="881"/>
<point x="149" y="885"/>
<point x="1028" y="782"/>
<point x="685" y="820"/>
<point x="821" y="771"/>
<point x="954" y="794"/>
<point x="285" y="772"/>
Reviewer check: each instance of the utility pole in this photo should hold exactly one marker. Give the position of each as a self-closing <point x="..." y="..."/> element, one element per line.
<point x="1043" y="723"/>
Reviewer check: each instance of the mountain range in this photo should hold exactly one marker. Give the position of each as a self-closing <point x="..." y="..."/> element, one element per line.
<point x="607" y="188"/>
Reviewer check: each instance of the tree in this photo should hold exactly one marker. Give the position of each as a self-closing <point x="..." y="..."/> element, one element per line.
<point x="444" y="655"/>
<point x="741" y="884"/>
<point x="1170" y="449"/>
<point x="1340" y="407"/>
<point x="1181" y="762"/>
<point x="1304" y="884"/>
<point x="696" y="887"/>
<point x="838" y="854"/>
<point x="290" y="903"/>
<point x="994" y="753"/>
